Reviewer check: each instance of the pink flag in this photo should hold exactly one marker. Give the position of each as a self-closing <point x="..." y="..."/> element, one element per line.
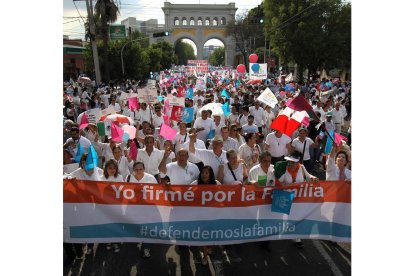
<point x="305" y="121"/>
<point x="339" y="138"/>
<point x="166" y="120"/>
<point x="133" y="151"/>
<point x="180" y="92"/>
<point x="116" y="133"/>
<point x="133" y="103"/>
<point x="167" y="132"/>
<point x="166" y="106"/>
<point x="282" y="93"/>
<point x="84" y="121"/>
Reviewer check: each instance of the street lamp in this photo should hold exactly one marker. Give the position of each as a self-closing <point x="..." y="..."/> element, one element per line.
<point x="122" y="50"/>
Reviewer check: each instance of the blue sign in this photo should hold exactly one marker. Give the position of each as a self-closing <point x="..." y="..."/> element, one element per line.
<point x="282" y="201"/>
<point x="226" y="109"/>
<point x="188" y="114"/>
<point x="189" y="93"/>
<point x="225" y="94"/>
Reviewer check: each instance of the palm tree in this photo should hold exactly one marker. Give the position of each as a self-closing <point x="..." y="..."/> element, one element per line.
<point x="107" y="12"/>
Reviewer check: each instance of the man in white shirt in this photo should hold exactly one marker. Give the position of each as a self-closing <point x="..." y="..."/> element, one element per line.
<point x="203" y="125"/>
<point x="242" y="120"/>
<point x="233" y="116"/>
<point x="150" y="156"/>
<point x="144" y="114"/>
<point x="158" y="117"/>
<point x="198" y="145"/>
<point x="213" y="158"/>
<point x="338" y="117"/>
<point x="228" y="142"/>
<point x="278" y="145"/>
<point x="72" y="143"/>
<point x="181" y="171"/>
<point x="217" y="124"/>
<point x="264" y="169"/>
<point x="250" y="127"/>
<point x="257" y="111"/>
<point x="198" y="96"/>
<point x="115" y="105"/>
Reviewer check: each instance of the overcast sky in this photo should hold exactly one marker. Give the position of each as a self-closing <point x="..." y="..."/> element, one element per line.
<point x="140" y="9"/>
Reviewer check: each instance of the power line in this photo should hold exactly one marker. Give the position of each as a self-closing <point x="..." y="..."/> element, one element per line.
<point x="78" y="12"/>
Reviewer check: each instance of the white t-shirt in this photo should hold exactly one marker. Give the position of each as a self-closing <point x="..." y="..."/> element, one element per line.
<point x="69" y="168"/>
<point x="257" y="171"/>
<point x="111" y="178"/>
<point x="116" y="107"/>
<point x="233" y="118"/>
<point x="151" y="162"/>
<point x="258" y="115"/>
<point x="268" y="118"/>
<point x="143" y="115"/>
<point x="287" y="177"/>
<point x="198" y="145"/>
<point x="218" y="128"/>
<point x="157" y="121"/>
<point x="246" y="153"/>
<point x="243" y="120"/>
<point x="195" y="182"/>
<point x="210" y="159"/>
<point x="332" y="171"/>
<point x="298" y="145"/>
<point x="278" y="146"/>
<point x="81" y="174"/>
<point x="179" y="175"/>
<point x="228" y="176"/>
<point x="147" y="178"/>
<point x="179" y="140"/>
<point x="124" y="167"/>
<point x="207" y="124"/>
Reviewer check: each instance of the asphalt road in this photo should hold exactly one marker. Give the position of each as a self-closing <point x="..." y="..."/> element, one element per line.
<point x="317" y="257"/>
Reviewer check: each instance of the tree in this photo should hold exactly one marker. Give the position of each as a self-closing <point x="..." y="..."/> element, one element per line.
<point x="309" y="33"/>
<point x="217" y="57"/>
<point x="245" y="30"/>
<point x="154" y="55"/>
<point x="184" y="52"/>
<point x="106" y="12"/>
<point x="168" y="56"/>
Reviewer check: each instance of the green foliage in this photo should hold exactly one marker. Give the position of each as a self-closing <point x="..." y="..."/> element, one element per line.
<point x="314" y="34"/>
<point x="168" y="56"/>
<point x="184" y="52"/>
<point x="217" y="57"/>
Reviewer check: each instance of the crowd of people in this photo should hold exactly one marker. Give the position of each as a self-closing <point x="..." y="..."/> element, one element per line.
<point x="242" y="151"/>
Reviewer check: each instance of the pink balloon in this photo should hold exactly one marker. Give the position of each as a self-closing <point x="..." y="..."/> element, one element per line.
<point x="241" y="68"/>
<point x="253" y="58"/>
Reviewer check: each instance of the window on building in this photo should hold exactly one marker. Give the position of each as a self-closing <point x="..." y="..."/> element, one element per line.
<point x="200" y="21"/>
<point x="191" y="21"/>
<point x="223" y="21"/>
<point x="207" y="23"/>
<point x="184" y="21"/>
<point x="176" y="21"/>
<point x="215" y="21"/>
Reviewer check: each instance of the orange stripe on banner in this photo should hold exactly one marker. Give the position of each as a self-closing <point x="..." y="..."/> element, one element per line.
<point x="83" y="191"/>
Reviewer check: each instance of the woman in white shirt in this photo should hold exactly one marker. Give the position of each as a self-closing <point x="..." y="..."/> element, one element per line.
<point x="296" y="173"/>
<point x="234" y="171"/>
<point x="139" y="175"/>
<point x="268" y="116"/>
<point x="336" y="165"/>
<point x="250" y="151"/>
<point x="111" y="174"/>
<point x="122" y="162"/>
<point x="234" y="133"/>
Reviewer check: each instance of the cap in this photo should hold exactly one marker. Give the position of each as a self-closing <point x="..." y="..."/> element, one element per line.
<point x="218" y="138"/>
<point x="294" y="156"/>
<point x="329" y="114"/>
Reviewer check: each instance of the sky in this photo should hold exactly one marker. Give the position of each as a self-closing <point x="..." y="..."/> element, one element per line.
<point x="141" y="10"/>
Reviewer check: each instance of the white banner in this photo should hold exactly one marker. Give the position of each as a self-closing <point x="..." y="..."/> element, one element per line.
<point x="148" y="95"/>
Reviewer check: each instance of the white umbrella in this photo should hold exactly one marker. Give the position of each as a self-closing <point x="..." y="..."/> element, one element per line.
<point x="215" y="108"/>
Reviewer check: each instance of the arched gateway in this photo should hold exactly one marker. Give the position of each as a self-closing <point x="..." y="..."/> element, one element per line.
<point x="200" y="22"/>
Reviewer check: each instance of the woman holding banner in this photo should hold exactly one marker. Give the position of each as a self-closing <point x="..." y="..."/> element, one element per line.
<point x="234" y="171"/>
<point x="296" y="173"/>
<point x="112" y="174"/>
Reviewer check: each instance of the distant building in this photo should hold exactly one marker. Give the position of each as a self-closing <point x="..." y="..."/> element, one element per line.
<point x="208" y="50"/>
<point x="137" y="25"/>
<point x="73" y="61"/>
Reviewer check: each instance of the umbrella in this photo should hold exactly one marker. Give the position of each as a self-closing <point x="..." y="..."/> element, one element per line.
<point x="118" y="118"/>
<point x="254" y="81"/>
<point x="84" y="80"/>
<point x="216" y="108"/>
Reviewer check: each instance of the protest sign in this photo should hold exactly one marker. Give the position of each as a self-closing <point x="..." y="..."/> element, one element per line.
<point x="175" y="101"/>
<point x="151" y="84"/>
<point x="107" y="111"/>
<point x="267" y="97"/>
<point x="257" y="71"/>
<point x="148" y="95"/>
<point x="188" y="114"/>
<point x="92" y="115"/>
<point x="95" y="212"/>
<point x="176" y="113"/>
<point x="167" y="132"/>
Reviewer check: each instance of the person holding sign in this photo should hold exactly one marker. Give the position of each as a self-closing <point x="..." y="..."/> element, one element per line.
<point x="249" y="151"/>
<point x="263" y="174"/>
<point x="296" y="173"/>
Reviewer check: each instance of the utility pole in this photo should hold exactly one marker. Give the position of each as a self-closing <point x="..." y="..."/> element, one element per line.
<point x="89" y="8"/>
